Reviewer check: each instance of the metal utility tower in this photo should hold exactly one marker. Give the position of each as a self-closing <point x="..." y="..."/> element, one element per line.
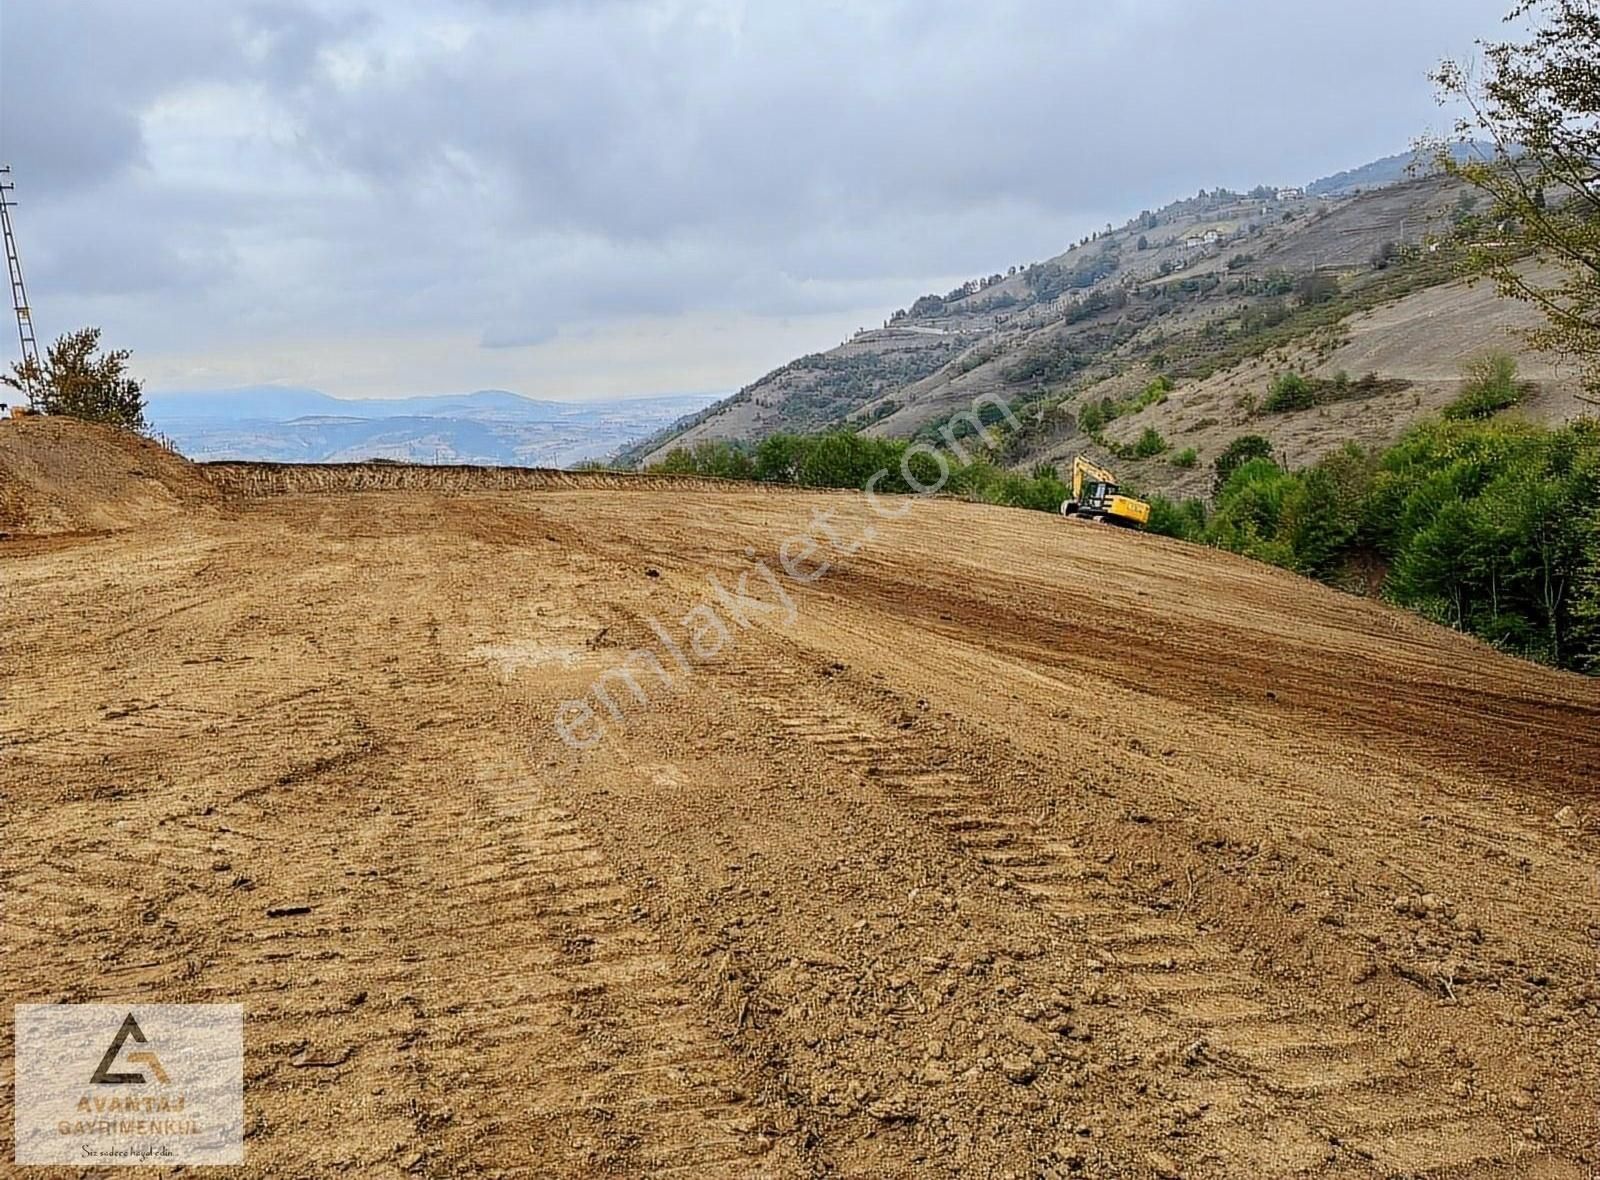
<point x="19" y="293"/>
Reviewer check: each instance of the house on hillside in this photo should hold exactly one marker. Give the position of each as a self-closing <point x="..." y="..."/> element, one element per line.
<point x="1291" y="194"/>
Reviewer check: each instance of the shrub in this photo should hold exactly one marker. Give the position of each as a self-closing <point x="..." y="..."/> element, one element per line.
<point x="1185" y="458"/>
<point x="1489" y="386"/>
<point x="78" y="380"/>
<point x="1290" y="391"/>
<point x="1150" y="444"/>
<point x="1316" y="288"/>
<point x="1185" y="519"/>
<point x="1093" y="417"/>
<point x="1154" y="394"/>
<point x="1322" y="514"/>
<point x="723" y="460"/>
<point x="1240" y="451"/>
<point x="1254" y="495"/>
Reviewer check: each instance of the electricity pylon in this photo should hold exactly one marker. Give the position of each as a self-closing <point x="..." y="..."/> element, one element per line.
<point x="19" y="293"/>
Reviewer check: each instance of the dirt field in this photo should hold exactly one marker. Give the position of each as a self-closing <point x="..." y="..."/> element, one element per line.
<point x="1009" y="848"/>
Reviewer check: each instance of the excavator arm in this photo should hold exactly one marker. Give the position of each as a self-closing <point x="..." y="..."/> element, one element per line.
<point x="1083" y="469"/>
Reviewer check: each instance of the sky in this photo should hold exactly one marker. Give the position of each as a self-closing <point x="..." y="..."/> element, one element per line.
<point x="600" y="198"/>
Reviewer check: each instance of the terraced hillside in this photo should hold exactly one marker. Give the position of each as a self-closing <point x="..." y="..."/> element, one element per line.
<point x="1216" y="301"/>
<point x="981" y="844"/>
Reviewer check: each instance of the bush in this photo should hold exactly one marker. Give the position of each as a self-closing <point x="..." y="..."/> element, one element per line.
<point x="1489" y="386"/>
<point x="1254" y="495"/>
<point x="1322" y="515"/>
<point x="1150" y="444"/>
<point x="716" y="458"/>
<point x="78" y="380"/>
<point x="1237" y="453"/>
<point x="1316" y="288"/>
<point x="1184" y="519"/>
<point x="1154" y="394"/>
<point x="1185" y="458"/>
<point x="1094" y="417"/>
<point x="1290" y="391"/>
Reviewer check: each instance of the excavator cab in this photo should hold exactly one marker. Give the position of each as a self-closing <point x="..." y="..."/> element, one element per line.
<point x="1097" y="494"/>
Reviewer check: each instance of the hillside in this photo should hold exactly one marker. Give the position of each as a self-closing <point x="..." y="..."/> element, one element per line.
<point x="1056" y="851"/>
<point x="1215" y="301"/>
<point x="1392" y="170"/>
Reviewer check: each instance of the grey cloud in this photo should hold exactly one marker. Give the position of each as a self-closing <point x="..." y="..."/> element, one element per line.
<point x="505" y="170"/>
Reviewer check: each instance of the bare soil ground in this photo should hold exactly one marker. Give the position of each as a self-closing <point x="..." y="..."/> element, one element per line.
<point x="62" y="476"/>
<point x="1016" y="848"/>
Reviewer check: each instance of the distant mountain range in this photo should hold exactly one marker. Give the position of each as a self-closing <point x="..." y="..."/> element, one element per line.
<point x="491" y="426"/>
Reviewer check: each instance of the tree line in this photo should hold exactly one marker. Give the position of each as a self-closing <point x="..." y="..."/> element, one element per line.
<point x="1491" y="526"/>
<point x="842" y="459"/>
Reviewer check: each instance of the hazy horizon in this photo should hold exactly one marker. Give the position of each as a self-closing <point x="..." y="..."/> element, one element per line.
<point x="412" y="394"/>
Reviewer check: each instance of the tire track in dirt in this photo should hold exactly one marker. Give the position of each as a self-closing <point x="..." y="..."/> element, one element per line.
<point x="564" y="1027"/>
<point x="1341" y="1104"/>
<point x="442" y="974"/>
<point x="1200" y="665"/>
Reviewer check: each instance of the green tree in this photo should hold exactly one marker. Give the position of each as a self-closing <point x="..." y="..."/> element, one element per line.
<point x="1150" y="444"/>
<point x="1254" y="495"/>
<point x="1322" y="514"/>
<point x="1185" y="519"/>
<point x="1586" y="604"/>
<point x="1489" y="385"/>
<point x="79" y="380"/>
<point x="1538" y="102"/>
<point x="1237" y="453"/>
<point x="775" y="458"/>
<point x="1316" y="288"/>
<point x="711" y="457"/>
<point x="1290" y="391"/>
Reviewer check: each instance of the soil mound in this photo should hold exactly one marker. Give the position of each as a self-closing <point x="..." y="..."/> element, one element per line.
<point x="61" y="475"/>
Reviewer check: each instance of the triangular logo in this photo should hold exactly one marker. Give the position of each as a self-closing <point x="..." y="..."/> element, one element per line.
<point x="103" y="1074"/>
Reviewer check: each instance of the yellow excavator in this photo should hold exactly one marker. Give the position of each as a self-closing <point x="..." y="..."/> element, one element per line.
<point x="1095" y="497"/>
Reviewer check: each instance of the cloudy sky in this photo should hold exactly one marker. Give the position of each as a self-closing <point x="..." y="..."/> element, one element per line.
<point x="585" y="198"/>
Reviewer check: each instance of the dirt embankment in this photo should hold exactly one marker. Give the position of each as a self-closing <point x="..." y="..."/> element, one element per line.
<point x="277" y="479"/>
<point x="63" y="476"/>
<point x="60" y="475"/>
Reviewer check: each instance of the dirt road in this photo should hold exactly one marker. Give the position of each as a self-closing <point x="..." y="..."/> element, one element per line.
<point x="1001" y="846"/>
